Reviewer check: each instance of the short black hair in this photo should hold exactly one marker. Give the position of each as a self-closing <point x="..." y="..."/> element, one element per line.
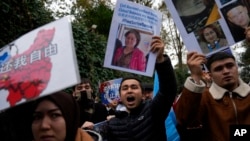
<point x="231" y="6"/>
<point x="131" y="77"/>
<point x="148" y="86"/>
<point x="86" y="81"/>
<point x="218" y="56"/>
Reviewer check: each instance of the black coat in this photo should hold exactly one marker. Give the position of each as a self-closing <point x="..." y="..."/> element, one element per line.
<point x="99" y="114"/>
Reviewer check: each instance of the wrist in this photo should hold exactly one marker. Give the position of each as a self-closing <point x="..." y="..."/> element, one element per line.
<point x="160" y="59"/>
<point x="196" y="81"/>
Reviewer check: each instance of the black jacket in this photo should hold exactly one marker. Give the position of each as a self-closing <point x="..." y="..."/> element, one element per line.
<point x="99" y="114"/>
<point x="147" y="122"/>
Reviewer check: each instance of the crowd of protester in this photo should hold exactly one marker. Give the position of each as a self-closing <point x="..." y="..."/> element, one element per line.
<point x="209" y="101"/>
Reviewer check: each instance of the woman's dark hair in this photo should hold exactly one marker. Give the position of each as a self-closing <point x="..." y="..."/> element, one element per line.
<point x="70" y="111"/>
<point x="213" y="27"/>
<point x="137" y="36"/>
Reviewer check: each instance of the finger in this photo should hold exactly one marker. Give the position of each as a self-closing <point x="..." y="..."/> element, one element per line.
<point x="156" y="42"/>
<point x="195" y="56"/>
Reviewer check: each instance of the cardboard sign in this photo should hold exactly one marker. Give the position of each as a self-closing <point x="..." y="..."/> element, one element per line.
<point x="38" y="63"/>
<point x="132" y="21"/>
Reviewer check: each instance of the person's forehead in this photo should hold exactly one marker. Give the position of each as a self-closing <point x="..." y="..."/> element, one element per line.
<point x="130" y="82"/>
<point x="131" y="34"/>
<point x="235" y="9"/>
<point x="84" y="85"/>
<point x="46" y="104"/>
<point x="208" y="29"/>
<point x="222" y="62"/>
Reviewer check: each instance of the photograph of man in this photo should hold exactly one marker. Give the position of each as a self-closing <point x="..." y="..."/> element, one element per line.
<point x="211" y="38"/>
<point x="237" y="17"/>
<point x="195" y="14"/>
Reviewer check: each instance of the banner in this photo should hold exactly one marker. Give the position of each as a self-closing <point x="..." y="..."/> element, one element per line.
<point x="131" y="31"/>
<point x="109" y="90"/>
<point x="38" y="63"/>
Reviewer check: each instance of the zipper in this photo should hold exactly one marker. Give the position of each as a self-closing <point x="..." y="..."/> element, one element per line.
<point x="234" y="106"/>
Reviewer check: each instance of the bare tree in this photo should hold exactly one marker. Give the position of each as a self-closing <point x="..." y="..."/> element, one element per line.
<point x="172" y="37"/>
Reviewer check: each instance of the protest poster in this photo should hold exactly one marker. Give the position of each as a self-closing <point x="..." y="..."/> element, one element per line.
<point x="204" y="24"/>
<point x="109" y="90"/>
<point x="38" y="63"/>
<point x="131" y="31"/>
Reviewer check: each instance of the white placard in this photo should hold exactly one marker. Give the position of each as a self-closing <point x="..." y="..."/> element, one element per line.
<point x="198" y="20"/>
<point x="40" y="62"/>
<point x="130" y="17"/>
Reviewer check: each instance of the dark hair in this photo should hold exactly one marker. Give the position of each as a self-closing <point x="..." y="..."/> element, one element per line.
<point x="131" y="77"/>
<point x="85" y="81"/>
<point x="137" y="35"/>
<point x="230" y="6"/>
<point x="213" y="27"/>
<point x="218" y="56"/>
<point x="148" y="86"/>
<point x="70" y="111"/>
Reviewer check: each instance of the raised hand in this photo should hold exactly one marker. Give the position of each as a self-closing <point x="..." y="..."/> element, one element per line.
<point x="157" y="46"/>
<point x="194" y="62"/>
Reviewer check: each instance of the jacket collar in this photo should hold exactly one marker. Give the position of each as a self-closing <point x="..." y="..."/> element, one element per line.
<point x="218" y="92"/>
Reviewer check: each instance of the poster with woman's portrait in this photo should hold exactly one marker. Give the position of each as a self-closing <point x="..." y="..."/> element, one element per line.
<point x="132" y="48"/>
<point x="132" y="28"/>
<point x="201" y="24"/>
<point x="211" y="38"/>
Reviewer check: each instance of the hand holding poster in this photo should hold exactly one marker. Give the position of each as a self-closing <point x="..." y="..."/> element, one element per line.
<point x="132" y="28"/>
<point x="38" y="63"/>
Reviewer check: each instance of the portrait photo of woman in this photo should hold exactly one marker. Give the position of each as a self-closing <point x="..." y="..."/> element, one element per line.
<point x="211" y="38"/>
<point x="129" y="55"/>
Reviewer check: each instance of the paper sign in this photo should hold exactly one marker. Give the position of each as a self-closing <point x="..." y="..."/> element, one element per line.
<point x="109" y="90"/>
<point x="40" y="62"/>
<point x="205" y="26"/>
<point x="131" y="31"/>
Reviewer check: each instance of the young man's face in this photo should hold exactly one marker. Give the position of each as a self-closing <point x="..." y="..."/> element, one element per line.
<point x="83" y="87"/>
<point x="225" y="73"/>
<point x="239" y="16"/>
<point x="148" y="94"/>
<point x="131" y="93"/>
